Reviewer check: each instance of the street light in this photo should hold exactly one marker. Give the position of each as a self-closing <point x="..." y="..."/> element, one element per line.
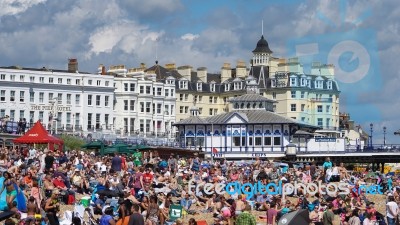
<point x="384" y="136"/>
<point x="370" y="140"/>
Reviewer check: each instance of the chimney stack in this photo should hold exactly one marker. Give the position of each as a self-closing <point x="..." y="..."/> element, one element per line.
<point x="72" y="65"/>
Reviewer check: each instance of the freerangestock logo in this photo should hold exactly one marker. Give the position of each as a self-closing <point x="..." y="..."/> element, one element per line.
<point x="281" y="188"/>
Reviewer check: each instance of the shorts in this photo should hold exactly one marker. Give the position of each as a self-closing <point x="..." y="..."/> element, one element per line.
<point x="12" y="193"/>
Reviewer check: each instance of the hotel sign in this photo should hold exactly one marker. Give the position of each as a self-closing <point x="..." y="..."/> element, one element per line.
<point x="325" y="139"/>
<point x="50" y="108"/>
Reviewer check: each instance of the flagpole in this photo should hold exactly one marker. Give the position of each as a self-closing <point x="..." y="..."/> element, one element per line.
<point x="212" y="146"/>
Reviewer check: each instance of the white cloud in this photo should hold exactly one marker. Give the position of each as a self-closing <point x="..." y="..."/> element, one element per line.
<point x="189" y="37"/>
<point x="13" y="7"/>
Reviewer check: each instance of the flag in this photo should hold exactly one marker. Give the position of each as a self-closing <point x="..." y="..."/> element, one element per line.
<point x="214" y="150"/>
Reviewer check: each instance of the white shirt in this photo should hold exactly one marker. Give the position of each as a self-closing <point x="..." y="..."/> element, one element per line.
<point x="103" y="168"/>
<point x="394" y="207"/>
<point x="32" y="153"/>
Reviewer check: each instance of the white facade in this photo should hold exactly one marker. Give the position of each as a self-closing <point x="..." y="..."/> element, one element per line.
<point x="61" y="100"/>
<point x="144" y="106"/>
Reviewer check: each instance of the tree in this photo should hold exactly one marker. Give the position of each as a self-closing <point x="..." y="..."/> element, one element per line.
<point x="72" y="142"/>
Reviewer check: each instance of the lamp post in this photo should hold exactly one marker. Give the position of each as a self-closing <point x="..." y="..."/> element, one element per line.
<point x="384" y="136"/>
<point x="370" y="140"/>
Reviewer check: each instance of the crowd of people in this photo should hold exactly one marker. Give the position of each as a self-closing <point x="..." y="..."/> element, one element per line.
<point x="142" y="189"/>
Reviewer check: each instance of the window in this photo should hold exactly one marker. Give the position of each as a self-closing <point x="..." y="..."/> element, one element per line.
<point x="250" y="141"/>
<point x="51" y="80"/>
<point x="132" y="87"/>
<point x="12" y="77"/>
<point x="303" y="106"/>
<point x="12" y="96"/>
<point x="166" y="92"/>
<point x="142" y="107"/>
<point x="237" y="85"/>
<point x="126" y="105"/>
<point x="22" y="78"/>
<point x="172" y="92"/>
<point x="303" y="119"/>
<point x="3" y="95"/>
<point x="41" y="97"/>
<point x="212" y="87"/>
<point x="132" y="105"/>
<point x="2" y="77"/>
<point x="166" y="111"/>
<point x="148" y="107"/>
<point x="12" y="115"/>
<point x="106" y="120"/>
<point x="277" y="141"/>
<point x="148" y="90"/>
<point x="293" y="107"/>
<point x="159" y="108"/>
<point x="200" y="110"/>
<point x="210" y="99"/>
<point x="89" y="121"/>
<point x="327" y="122"/>
<point x="98" y="97"/>
<point x="31" y="79"/>
<point x="60" y="80"/>
<point x="2" y="113"/>
<point x="293" y="93"/>
<point x="77" y="120"/>
<point x="236" y="141"/>
<point x="181" y="97"/>
<point x="90" y="82"/>
<point x="41" y="79"/>
<point x="199" y="86"/>
<point x="22" y="96"/>
<point x="293" y="81"/>
<point x="106" y="100"/>
<point x="98" y="82"/>
<point x="243" y="141"/>
<point x="302" y="94"/>
<point x="68" y="81"/>
<point x="77" y="99"/>
<point x="40" y="114"/>
<point x="319" y="122"/>
<point x="68" y="99"/>
<point x="60" y="98"/>
<point x="159" y="91"/>
<point x="328" y="108"/>
<point x="107" y="84"/>
<point x="186" y="97"/>
<point x="141" y="89"/>
<point x="200" y="99"/>
<point x="181" y="109"/>
<point x="125" y="87"/>
<point x="50" y="97"/>
<point x="186" y="109"/>
<point x="303" y="82"/>
<point x="227" y="86"/>
<point x="329" y="85"/>
<point x="89" y="100"/>
<point x="258" y="141"/>
<point x="215" y="99"/>
<point x="78" y="82"/>
<point x="273" y="95"/>
<point x="319" y="108"/>
<point x="32" y="97"/>
<point x="141" y="125"/>
<point x="318" y="84"/>
<point x="183" y="84"/>
<point x="215" y="111"/>
<point x="210" y="112"/>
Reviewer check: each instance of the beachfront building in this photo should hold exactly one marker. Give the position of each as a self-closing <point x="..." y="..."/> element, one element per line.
<point x="251" y="129"/>
<point x="63" y="100"/>
<point x="145" y="102"/>
<point x="311" y="98"/>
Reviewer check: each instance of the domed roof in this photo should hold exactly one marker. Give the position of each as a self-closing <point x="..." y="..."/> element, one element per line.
<point x="262" y="46"/>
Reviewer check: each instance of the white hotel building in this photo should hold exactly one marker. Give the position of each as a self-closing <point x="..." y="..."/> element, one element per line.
<point x="145" y="102"/>
<point x="64" y="100"/>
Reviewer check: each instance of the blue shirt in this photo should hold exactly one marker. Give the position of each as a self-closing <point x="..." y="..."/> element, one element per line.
<point x="327" y="165"/>
<point x="186" y="203"/>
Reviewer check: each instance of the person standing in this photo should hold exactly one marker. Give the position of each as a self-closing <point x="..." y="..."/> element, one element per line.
<point x="392" y="211"/>
<point x="49" y="160"/>
<point x="328" y="215"/>
<point x="116" y="163"/>
<point x="136" y="218"/>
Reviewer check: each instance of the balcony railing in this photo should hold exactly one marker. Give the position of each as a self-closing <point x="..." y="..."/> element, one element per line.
<point x="326" y="100"/>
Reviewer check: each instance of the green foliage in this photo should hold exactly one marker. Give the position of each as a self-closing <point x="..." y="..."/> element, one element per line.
<point x="71" y="142"/>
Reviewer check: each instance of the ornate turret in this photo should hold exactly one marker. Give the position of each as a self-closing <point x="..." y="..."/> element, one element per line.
<point x="261" y="53"/>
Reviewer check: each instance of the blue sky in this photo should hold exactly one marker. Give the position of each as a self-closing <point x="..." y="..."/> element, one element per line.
<point x="361" y="37"/>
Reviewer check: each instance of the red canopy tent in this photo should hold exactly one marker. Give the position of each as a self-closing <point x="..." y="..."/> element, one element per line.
<point x="39" y="135"/>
